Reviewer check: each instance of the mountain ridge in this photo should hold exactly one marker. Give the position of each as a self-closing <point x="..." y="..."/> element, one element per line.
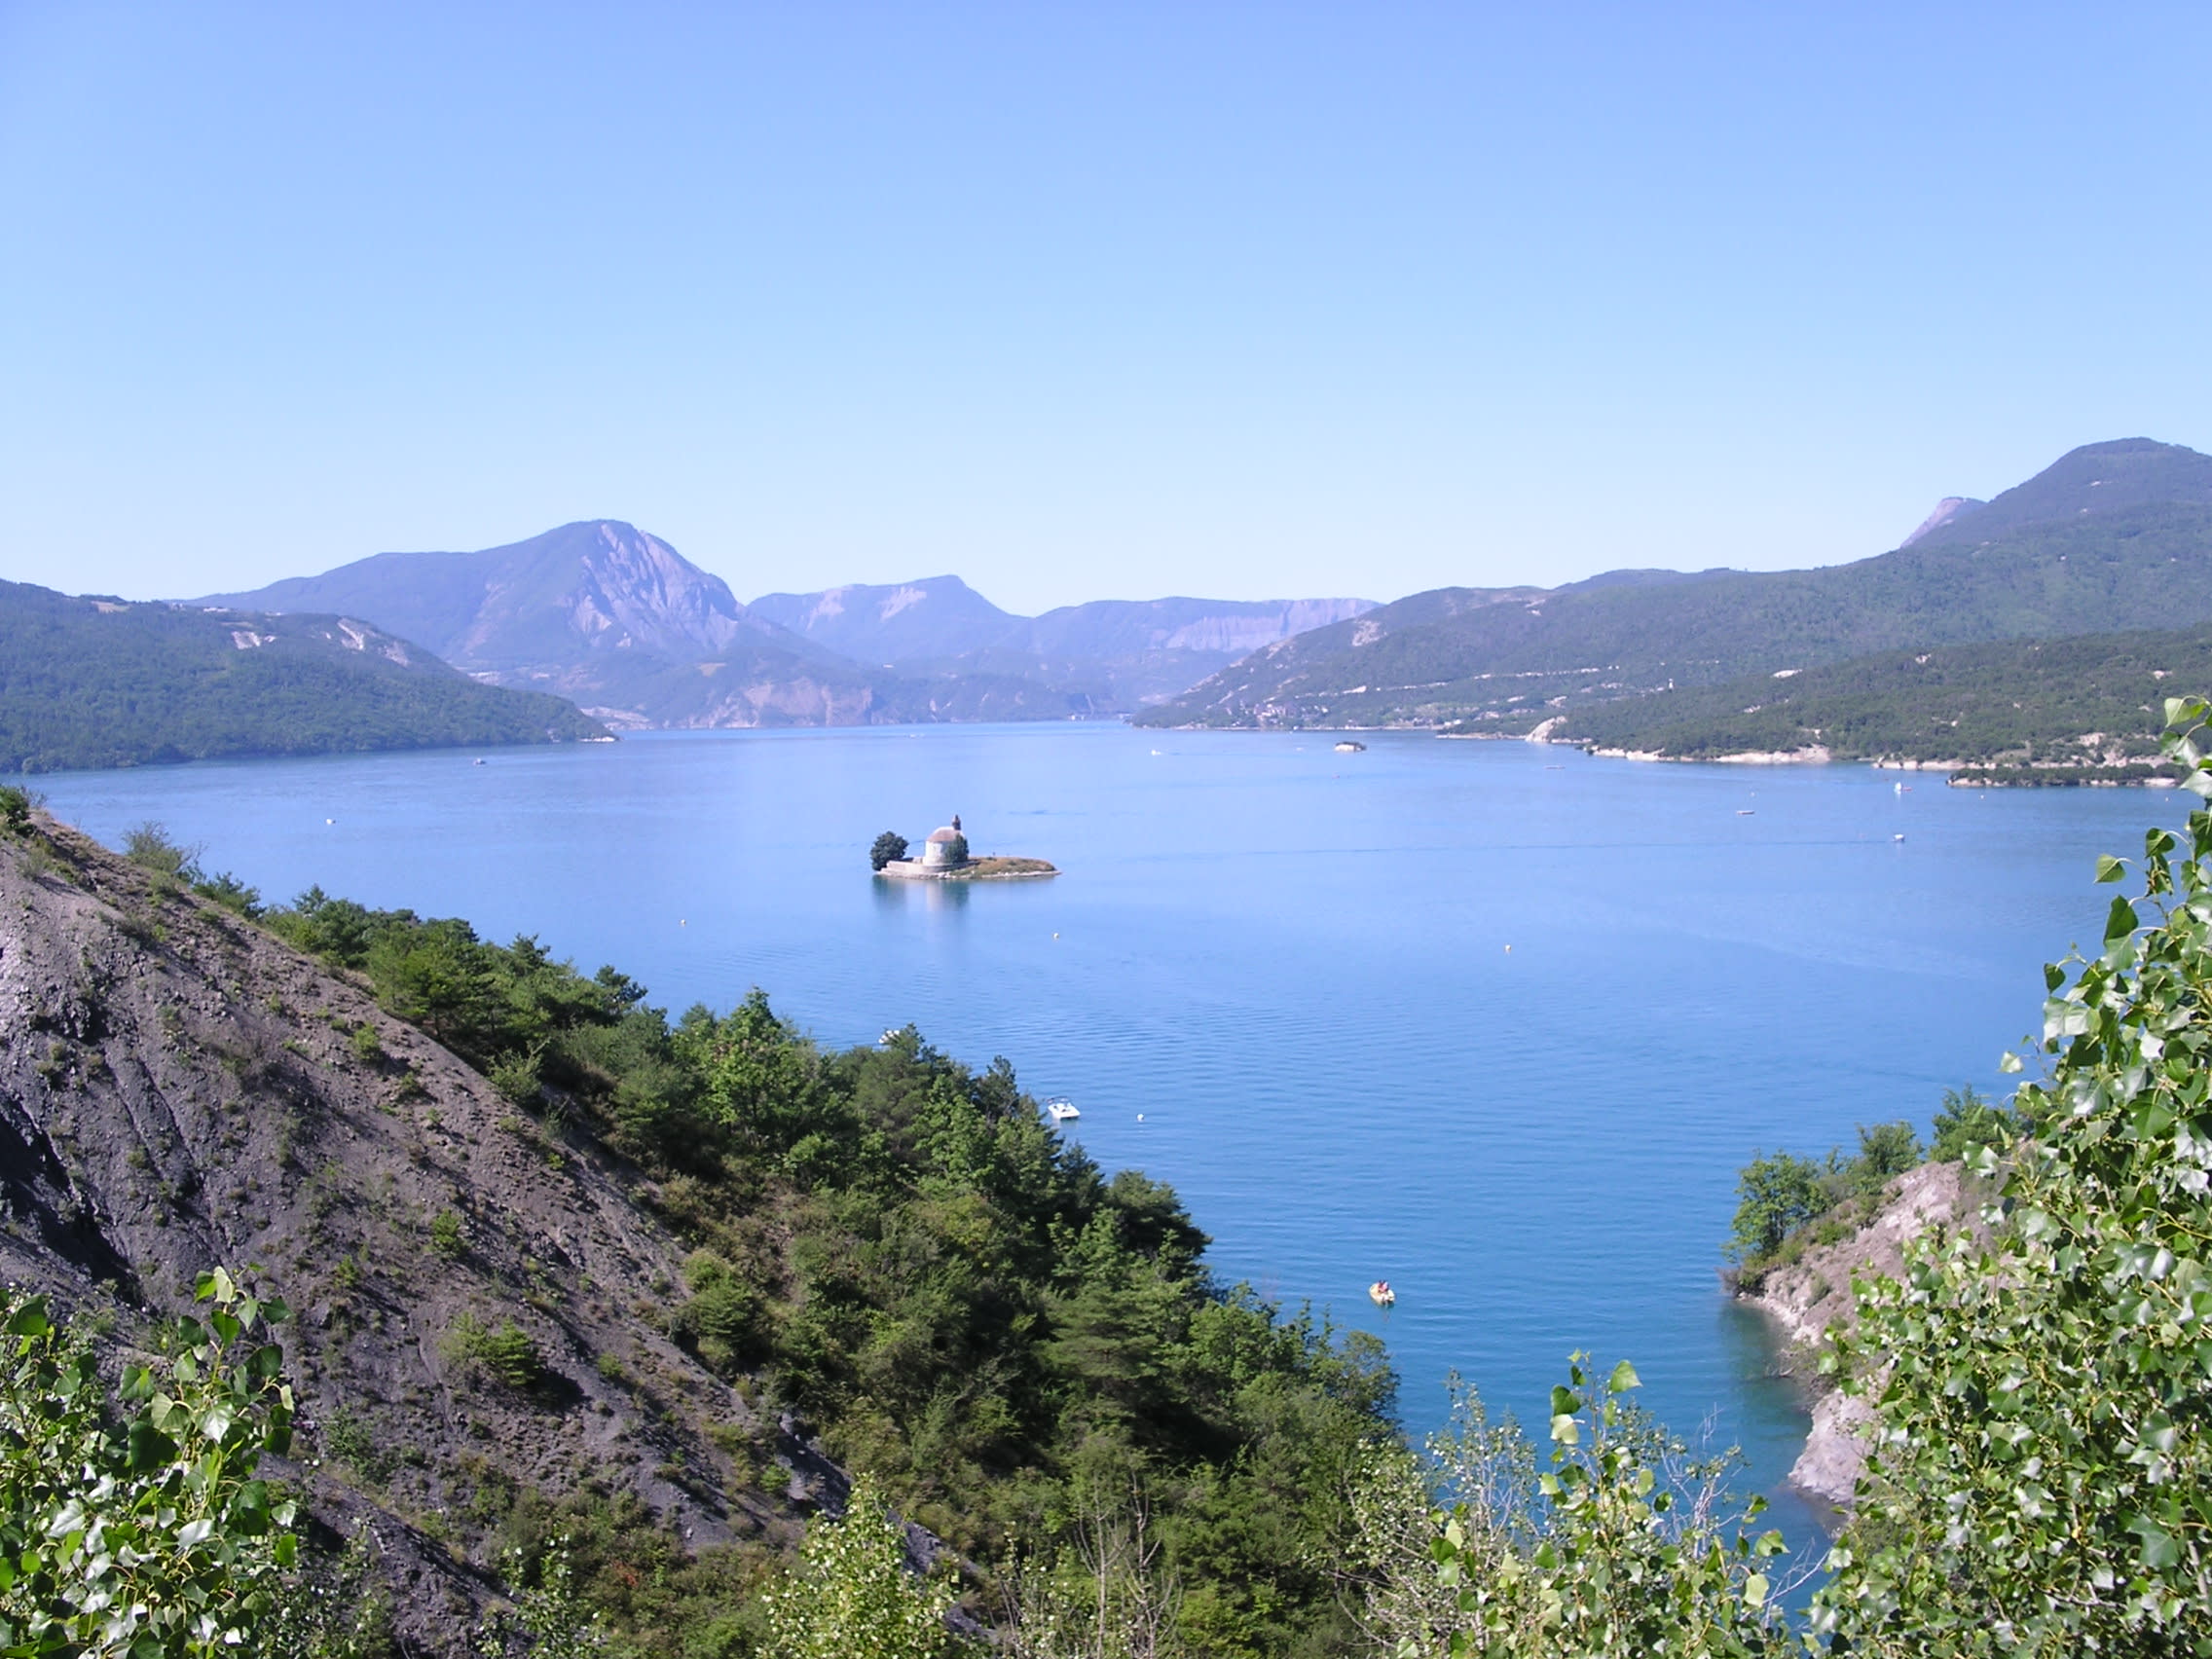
<point x="618" y="620"/>
<point x="103" y="683"/>
<point x="2061" y="560"/>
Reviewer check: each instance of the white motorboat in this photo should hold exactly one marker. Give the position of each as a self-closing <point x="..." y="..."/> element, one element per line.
<point x="1060" y="1109"/>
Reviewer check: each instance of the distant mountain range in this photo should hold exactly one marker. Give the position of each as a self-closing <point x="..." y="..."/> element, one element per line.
<point x="2111" y="536"/>
<point x="1128" y="653"/>
<point x="89" y="682"/>
<point x="616" y="619"/>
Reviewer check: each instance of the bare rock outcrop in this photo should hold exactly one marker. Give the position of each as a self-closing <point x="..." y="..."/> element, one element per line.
<point x="1811" y="1295"/>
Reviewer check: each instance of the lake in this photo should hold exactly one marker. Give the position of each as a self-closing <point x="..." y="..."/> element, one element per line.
<point x="1494" y="1021"/>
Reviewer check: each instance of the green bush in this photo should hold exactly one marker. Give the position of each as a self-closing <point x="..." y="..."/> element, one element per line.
<point x="1626" y="1546"/>
<point x="508" y="1354"/>
<point x="725" y="1321"/>
<point x="1968" y="1122"/>
<point x="1886" y="1151"/>
<point x="888" y="847"/>
<point x="2042" y="1400"/>
<point x="153" y="1535"/>
<point x="1774" y="1197"/>
<point x="15" y="803"/>
<point x="447" y="1235"/>
<point x="516" y="1077"/>
<point x="150" y="847"/>
<point x="852" y="1596"/>
<point x="231" y="893"/>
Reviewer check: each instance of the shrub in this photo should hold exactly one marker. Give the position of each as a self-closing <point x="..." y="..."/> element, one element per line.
<point x="1775" y="1196"/>
<point x="156" y="1536"/>
<point x="1967" y="1121"/>
<point x="231" y="893"/>
<point x="15" y="803"/>
<point x="149" y="846"/>
<point x="516" y="1076"/>
<point x="1886" y="1151"/>
<point x="354" y="1443"/>
<point x="852" y="1596"/>
<point x="447" y="1237"/>
<point x="888" y="847"/>
<point x="507" y="1354"/>
<point x="1625" y="1547"/>
<point x="2043" y="1480"/>
<point x="724" y="1322"/>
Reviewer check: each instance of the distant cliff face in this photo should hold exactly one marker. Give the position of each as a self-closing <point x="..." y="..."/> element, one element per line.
<point x="598" y="585"/>
<point x="1950" y="508"/>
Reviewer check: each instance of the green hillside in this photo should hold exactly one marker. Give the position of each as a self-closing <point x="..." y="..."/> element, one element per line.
<point x="2090" y="700"/>
<point x="2057" y="561"/>
<point x="98" y="683"/>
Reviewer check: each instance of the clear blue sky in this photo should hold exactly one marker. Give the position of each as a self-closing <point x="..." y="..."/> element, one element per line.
<point x="1080" y="301"/>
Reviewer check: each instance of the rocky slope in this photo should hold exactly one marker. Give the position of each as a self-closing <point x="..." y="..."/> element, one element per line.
<point x="180" y="1089"/>
<point x="1812" y="1294"/>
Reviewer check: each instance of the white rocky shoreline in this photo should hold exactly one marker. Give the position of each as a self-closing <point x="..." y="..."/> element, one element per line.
<point x="1812" y="1295"/>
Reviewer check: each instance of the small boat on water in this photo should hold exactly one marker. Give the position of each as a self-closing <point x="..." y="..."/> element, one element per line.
<point x="1747" y="812"/>
<point x="1350" y="745"/>
<point x="1382" y="1295"/>
<point x="1060" y="1109"/>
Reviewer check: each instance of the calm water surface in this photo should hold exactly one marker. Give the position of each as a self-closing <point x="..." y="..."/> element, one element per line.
<point x="1498" y="1023"/>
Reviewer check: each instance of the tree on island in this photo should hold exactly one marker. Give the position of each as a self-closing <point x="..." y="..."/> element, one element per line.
<point x="888" y="847"/>
<point x="956" y="850"/>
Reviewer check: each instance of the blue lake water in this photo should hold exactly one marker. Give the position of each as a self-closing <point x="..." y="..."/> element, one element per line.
<point x="1280" y="977"/>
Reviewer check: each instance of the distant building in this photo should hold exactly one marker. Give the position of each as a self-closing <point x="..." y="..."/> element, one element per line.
<point x="938" y="851"/>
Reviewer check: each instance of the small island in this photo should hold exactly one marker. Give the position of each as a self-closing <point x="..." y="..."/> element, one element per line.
<point x="945" y="858"/>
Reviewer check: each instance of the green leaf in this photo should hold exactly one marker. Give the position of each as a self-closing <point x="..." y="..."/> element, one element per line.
<point x="2160" y="1551"/>
<point x="2110" y="869"/>
<point x="2120" y="921"/>
<point x="1623" y="1379"/>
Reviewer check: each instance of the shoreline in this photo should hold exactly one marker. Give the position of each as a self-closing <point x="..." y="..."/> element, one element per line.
<point x="994" y="868"/>
<point x="1803" y="1298"/>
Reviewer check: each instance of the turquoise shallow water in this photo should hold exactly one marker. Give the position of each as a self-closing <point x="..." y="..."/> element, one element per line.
<point x="1279" y="978"/>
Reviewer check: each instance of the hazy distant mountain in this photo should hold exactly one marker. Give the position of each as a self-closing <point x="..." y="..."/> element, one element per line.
<point x="2114" y="535"/>
<point x="100" y="682"/>
<point x="598" y="612"/>
<point x="1123" y="652"/>
<point x="938" y="617"/>
<point x="638" y="636"/>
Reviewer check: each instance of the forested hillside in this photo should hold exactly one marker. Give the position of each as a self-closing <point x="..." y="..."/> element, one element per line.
<point x="2052" y="559"/>
<point x="574" y="1268"/>
<point x="99" y="682"/>
<point x="2094" y="700"/>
